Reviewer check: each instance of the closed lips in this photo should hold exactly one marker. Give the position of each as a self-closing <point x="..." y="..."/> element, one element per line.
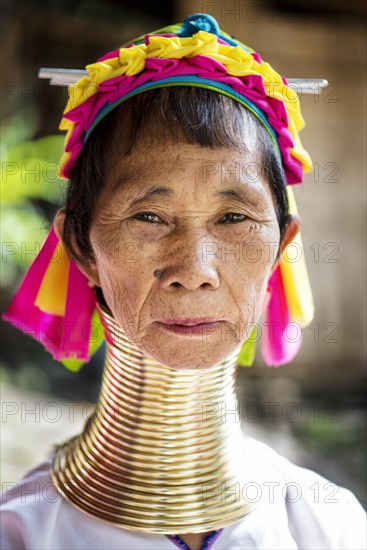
<point x="189" y="322"/>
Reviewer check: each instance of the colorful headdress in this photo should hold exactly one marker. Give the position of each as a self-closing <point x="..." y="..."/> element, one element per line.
<point x="54" y="303"/>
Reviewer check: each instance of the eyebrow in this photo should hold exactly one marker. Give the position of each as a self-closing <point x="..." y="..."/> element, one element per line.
<point x="239" y="193"/>
<point x="155" y="191"/>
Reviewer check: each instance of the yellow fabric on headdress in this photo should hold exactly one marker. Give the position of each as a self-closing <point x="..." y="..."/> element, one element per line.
<point x="238" y="62"/>
<point x="51" y="297"/>
<point x="294" y="274"/>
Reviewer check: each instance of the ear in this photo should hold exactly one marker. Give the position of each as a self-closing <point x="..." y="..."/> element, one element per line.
<point x="293" y="227"/>
<point x="89" y="269"/>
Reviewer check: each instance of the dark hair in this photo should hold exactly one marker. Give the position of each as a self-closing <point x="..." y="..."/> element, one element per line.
<point x="190" y="114"/>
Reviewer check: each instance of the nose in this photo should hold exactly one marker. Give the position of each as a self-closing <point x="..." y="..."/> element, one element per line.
<point x="192" y="262"/>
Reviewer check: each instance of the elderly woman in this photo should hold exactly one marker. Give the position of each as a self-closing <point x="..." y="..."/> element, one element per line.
<point x="180" y="151"/>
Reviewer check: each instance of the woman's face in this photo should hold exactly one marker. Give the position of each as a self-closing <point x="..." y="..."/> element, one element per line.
<point x="209" y="226"/>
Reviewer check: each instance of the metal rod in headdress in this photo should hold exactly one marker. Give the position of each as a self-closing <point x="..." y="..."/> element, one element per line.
<point x="64" y="77"/>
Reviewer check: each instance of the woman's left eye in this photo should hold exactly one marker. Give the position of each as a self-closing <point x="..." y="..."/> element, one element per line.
<point x="143" y="216"/>
<point x="232" y="217"/>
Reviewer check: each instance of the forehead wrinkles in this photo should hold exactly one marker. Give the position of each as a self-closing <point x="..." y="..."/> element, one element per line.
<point x="193" y="173"/>
<point x="159" y="162"/>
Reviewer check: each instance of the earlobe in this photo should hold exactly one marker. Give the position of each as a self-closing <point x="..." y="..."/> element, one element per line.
<point x="90" y="270"/>
<point x="59" y="223"/>
<point x="293" y="227"/>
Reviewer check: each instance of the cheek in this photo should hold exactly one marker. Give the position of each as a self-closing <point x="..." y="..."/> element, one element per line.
<point x="125" y="281"/>
<point x="249" y="268"/>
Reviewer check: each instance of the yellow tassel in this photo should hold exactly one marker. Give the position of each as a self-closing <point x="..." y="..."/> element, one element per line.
<point x="295" y="277"/>
<point x="51" y="297"/>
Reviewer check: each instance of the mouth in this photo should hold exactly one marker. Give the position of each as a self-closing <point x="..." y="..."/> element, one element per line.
<point x="190" y="327"/>
<point x="190" y="322"/>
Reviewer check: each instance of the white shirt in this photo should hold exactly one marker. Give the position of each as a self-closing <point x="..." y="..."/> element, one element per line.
<point x="296" y="508"/>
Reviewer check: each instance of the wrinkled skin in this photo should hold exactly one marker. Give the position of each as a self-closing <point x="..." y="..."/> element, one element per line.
<point x="184" y="236"/>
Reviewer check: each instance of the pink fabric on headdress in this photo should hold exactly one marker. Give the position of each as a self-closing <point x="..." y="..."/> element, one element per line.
<point x="63" y="336"/>
<point x="109" y="55"/>
<point x="251" y="86"/>
<point x="281" y="340"/>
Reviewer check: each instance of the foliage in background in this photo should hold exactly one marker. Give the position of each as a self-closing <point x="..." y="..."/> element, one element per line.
<point x="30" y="194"/>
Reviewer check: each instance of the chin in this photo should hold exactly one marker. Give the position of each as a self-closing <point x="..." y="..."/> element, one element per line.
<point x="189" y="355"/>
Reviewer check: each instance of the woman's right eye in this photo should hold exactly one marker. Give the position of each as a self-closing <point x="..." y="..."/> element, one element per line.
<point x="143" y="216"/>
